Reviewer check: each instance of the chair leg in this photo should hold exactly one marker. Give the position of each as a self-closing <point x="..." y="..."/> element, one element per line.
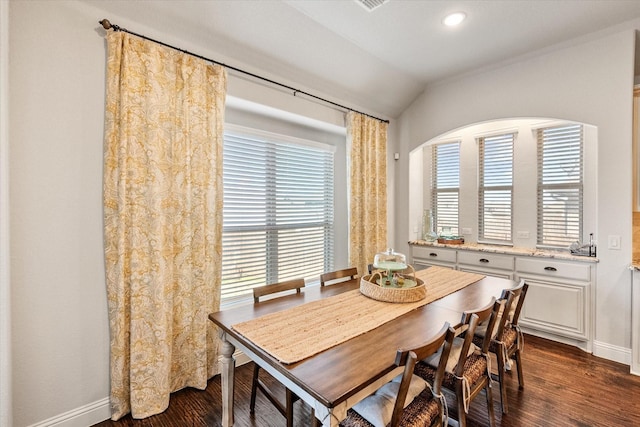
<point x="490" y="411"/>
<point x="314" y="421"/>
<point x="254" y="388"/>
<point x="462" y="415"/>
<point x="503" y="386"/>
<point x="519" y="363"/>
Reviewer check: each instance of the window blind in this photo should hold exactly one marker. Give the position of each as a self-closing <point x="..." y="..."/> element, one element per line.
<point x="495" y="188"/>
<point x="278" y="212"/>
<point x="445" y="186"/>
<point x="560" y="185"/>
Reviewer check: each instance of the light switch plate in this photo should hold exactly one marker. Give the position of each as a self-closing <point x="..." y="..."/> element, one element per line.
<point x="613" y="242"/>
<point x="466" y="230"/>
<point x="522" y="234"/>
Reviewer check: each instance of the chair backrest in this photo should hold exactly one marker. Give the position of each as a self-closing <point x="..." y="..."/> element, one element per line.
<point x="510" y="300"/>
<point x="466" y="330"/>
<point x="409" y="357"/>
<point x="338" y="276"/>
<point x="261" y="291"/>
<point x="515" y="308"/>
<point x="488" y="314"/>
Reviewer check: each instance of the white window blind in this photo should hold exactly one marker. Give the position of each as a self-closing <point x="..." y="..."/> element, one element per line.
<point x="560" y="185"/>
<point x="445" y="186"/>
<point x="278" y="212"/>
<point x="495" y="188"/>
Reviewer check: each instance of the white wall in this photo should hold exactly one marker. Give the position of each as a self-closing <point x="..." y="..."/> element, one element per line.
<point x="60" y="343"/>
<point x="5" y="307"/>
<point x="589" y="82"/>
<point x="60" y="330"/>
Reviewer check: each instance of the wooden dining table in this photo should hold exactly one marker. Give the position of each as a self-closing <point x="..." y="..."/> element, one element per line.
<point x="335" y="379"/>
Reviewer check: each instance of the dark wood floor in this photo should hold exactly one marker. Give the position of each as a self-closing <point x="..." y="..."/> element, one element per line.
<point x="563" y="387"/>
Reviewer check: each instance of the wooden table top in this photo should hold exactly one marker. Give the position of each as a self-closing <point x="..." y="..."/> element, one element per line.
<point x="334" y="375"/>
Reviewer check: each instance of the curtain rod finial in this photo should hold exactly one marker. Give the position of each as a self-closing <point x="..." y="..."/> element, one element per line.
<point x="105" y="24"/>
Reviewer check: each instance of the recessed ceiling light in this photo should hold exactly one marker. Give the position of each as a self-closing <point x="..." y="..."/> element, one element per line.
<point x="454" y="19"/>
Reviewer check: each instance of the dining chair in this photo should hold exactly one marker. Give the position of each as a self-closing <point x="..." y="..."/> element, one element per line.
<point x="407" y="400"/>
<point x="338" y="276"/>
<point x="285" y="409"/>
<point x="507" y="343"/>
<point x="468" y="369"/>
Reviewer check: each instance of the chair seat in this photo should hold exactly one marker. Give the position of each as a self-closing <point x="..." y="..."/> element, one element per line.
<point x="474" y="367"/>
<point x="422" y="411"/>
<point x="509" y="337"/>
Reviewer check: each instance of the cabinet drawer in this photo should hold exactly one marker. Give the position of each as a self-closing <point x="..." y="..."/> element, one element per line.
<point x="434" y="254"/>
<point x="486" y="260"/>
<point x="552" y="268"/>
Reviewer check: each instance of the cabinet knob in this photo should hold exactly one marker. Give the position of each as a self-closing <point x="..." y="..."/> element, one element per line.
<point x="484" y="260"/>
<point x="433" y="254"/>
<point x="551" y="269"/>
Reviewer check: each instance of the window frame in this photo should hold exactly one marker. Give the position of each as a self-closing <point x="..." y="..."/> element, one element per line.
<point x="541" y="242"/>
<point x="438" y="223"/>
<point x="496" y="138"/>
<point x="269" y="228"/>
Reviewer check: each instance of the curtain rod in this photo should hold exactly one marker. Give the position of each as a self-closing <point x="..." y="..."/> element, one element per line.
<point x="108" y="25"/>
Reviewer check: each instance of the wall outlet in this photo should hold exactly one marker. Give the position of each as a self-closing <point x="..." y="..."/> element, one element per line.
<point x="522" y="234"/>
<point x="466" y="230"/>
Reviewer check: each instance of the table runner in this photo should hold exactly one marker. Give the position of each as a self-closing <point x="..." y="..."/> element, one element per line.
<point x="299" y="332"/>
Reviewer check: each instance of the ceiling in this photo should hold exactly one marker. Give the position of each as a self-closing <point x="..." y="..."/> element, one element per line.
<point x="377" y="61"/>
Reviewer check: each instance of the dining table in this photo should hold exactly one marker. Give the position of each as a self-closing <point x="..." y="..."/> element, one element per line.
<point x="336" y="378"/>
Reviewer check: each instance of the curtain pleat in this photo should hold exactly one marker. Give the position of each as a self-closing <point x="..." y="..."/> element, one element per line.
<point x="163" y="220"/>
<point x="367" y="138"/>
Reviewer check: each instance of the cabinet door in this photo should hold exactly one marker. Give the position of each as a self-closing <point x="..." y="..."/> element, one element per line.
<point x="556" y="307"/>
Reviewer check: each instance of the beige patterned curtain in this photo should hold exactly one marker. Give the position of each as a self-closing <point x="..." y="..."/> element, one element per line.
<point x="163" y="220"/>
<point x="368" y="189"/>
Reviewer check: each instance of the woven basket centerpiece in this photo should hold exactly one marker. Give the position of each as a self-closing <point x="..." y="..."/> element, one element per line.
<point x="393" y="280"/>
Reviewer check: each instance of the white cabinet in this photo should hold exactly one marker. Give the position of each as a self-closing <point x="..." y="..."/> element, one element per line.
<point x="559" y="299"/>
<point x="484" y="263"/>
<point x="425" y="256"/>
<point x="555" y="307"/>
<point x="561" y="296"/>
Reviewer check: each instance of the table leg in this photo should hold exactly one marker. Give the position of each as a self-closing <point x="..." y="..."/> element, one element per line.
<point x="228" y="369"/>
<point x="328" y="417"/>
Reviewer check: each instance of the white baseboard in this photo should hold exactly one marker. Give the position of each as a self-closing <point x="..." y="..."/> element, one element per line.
<point x="581" y="344"/>
<point x="612" y="352"/>
<point x="100" y="410"/>
<point x="83" y="416"/>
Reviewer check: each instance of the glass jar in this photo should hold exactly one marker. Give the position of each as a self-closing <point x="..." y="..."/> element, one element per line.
<point x="428" y="232"/>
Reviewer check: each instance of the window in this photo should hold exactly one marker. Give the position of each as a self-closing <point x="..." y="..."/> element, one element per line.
<point x="445" y="186"/>
<point x="495" y="188"/>
<point x="560" y="185"/>
<point x="278" y="211"/>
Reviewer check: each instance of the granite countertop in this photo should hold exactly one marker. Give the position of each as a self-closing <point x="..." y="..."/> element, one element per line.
<point x="509" y="250"/>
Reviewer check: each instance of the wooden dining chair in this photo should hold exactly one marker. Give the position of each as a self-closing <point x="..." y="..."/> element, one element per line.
<point x="285" y="409"/>
<point x="507" y="343"/>
<point x="407" y="400"/>
<point x="468" y="369"/>
<point x="338" y="276"/>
